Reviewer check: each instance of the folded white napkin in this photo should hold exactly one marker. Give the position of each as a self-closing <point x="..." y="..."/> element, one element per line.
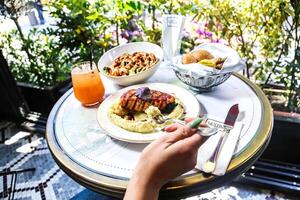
<point x="226" y="151"/>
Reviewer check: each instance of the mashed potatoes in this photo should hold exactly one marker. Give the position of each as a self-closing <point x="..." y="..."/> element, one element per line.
<point x="152" y="111"/>
<point x="141" y="122"/>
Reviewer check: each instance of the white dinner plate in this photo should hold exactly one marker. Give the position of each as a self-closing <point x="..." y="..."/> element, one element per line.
<point x="190" y="102"/>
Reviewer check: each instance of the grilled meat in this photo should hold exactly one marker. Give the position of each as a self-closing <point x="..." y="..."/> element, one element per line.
<point x="132" y="102"/>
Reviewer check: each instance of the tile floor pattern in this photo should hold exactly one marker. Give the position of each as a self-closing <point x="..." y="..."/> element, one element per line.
<point x="23" y="150"/>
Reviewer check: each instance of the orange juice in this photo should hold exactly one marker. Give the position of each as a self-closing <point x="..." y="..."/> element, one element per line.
<point x="87" y="84"/>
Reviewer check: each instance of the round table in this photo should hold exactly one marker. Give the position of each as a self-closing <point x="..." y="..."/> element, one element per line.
<point x="83" y="150"/>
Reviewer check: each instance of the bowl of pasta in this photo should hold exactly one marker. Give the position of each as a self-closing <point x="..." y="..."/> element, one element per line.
<point x="131" y="63"/>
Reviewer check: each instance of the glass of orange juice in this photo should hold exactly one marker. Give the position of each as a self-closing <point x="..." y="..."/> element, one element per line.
<point x="87" y="84"/>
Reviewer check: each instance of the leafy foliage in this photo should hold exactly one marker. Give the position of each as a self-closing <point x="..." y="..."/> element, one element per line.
<point x="12" y="9"/>
<point x="265" y="32"/>
<point x="102" y="24"/>
<point x="50" y="66"/>
<point x="153" y="33"/>
<point x="81" y="25"/>
<point x="34" y="58"/>
<point x="287" y="71"/>
<point x="254" y="28"/>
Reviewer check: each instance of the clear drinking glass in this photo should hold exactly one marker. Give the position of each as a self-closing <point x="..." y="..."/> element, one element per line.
<point x="171" y="35"/>
<point x="87" y="84"/>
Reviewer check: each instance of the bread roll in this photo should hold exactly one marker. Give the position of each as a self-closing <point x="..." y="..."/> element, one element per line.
<point x="188" y="58"/>
<point x="201" y="55"/>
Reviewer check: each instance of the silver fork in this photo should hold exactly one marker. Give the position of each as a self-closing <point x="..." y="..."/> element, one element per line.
<point x="160" y="119"/>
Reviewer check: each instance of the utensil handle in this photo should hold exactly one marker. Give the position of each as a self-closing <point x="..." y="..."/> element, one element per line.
<point x="214" y="156"/>
<point x="195" y="123"/>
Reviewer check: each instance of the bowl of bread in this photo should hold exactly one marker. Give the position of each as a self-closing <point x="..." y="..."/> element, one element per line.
<point x="207" y="66"/>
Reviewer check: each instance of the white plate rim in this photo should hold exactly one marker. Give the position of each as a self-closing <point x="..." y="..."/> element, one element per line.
<point x="111" y="129"/>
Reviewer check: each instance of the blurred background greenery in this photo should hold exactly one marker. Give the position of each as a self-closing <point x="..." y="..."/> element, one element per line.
<point x="264" y="32"/>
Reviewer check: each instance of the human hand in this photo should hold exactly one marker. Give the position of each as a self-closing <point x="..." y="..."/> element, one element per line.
<point x="166" y="158"/>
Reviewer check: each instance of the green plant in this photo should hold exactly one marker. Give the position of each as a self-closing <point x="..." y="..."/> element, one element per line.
<point x="50" y="66"/>
<point x="81" y="27"/>
<point x="125" y="15"/>
<point x="265" y="32"/>
<point x="98" y="25"/>
<point x="254" y="27"/>
<point x="187" y="43"/>
<point x="13" y="9"/>
<point x="33" y="58"/>
<point x="152" y="30"/>
<point x="287" y="71"/>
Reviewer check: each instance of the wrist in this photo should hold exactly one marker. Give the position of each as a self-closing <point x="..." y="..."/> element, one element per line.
<point x="142" y="187"/>
<point x="147" y="177"/>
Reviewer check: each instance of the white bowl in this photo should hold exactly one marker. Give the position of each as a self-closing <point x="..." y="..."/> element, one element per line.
<point x="108" y="57"/>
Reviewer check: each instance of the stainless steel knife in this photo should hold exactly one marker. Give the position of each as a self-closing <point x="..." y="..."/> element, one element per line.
<point x="232" y="115"/>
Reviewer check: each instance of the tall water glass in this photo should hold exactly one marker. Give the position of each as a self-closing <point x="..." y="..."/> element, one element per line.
<point x="171" y="35"/>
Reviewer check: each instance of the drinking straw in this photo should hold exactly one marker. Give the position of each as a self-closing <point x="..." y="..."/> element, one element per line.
<point x="91" y="53"/>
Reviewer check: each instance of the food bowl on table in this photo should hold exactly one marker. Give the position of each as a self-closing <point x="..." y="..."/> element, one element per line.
<point x="207" y="73"/>
<point x="131" y="63"/>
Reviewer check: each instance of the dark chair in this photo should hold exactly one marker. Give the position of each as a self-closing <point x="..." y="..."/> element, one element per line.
<point x="13" y="108"/>
<point x="3" y="126"/>
<point x="12" y="104"/>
